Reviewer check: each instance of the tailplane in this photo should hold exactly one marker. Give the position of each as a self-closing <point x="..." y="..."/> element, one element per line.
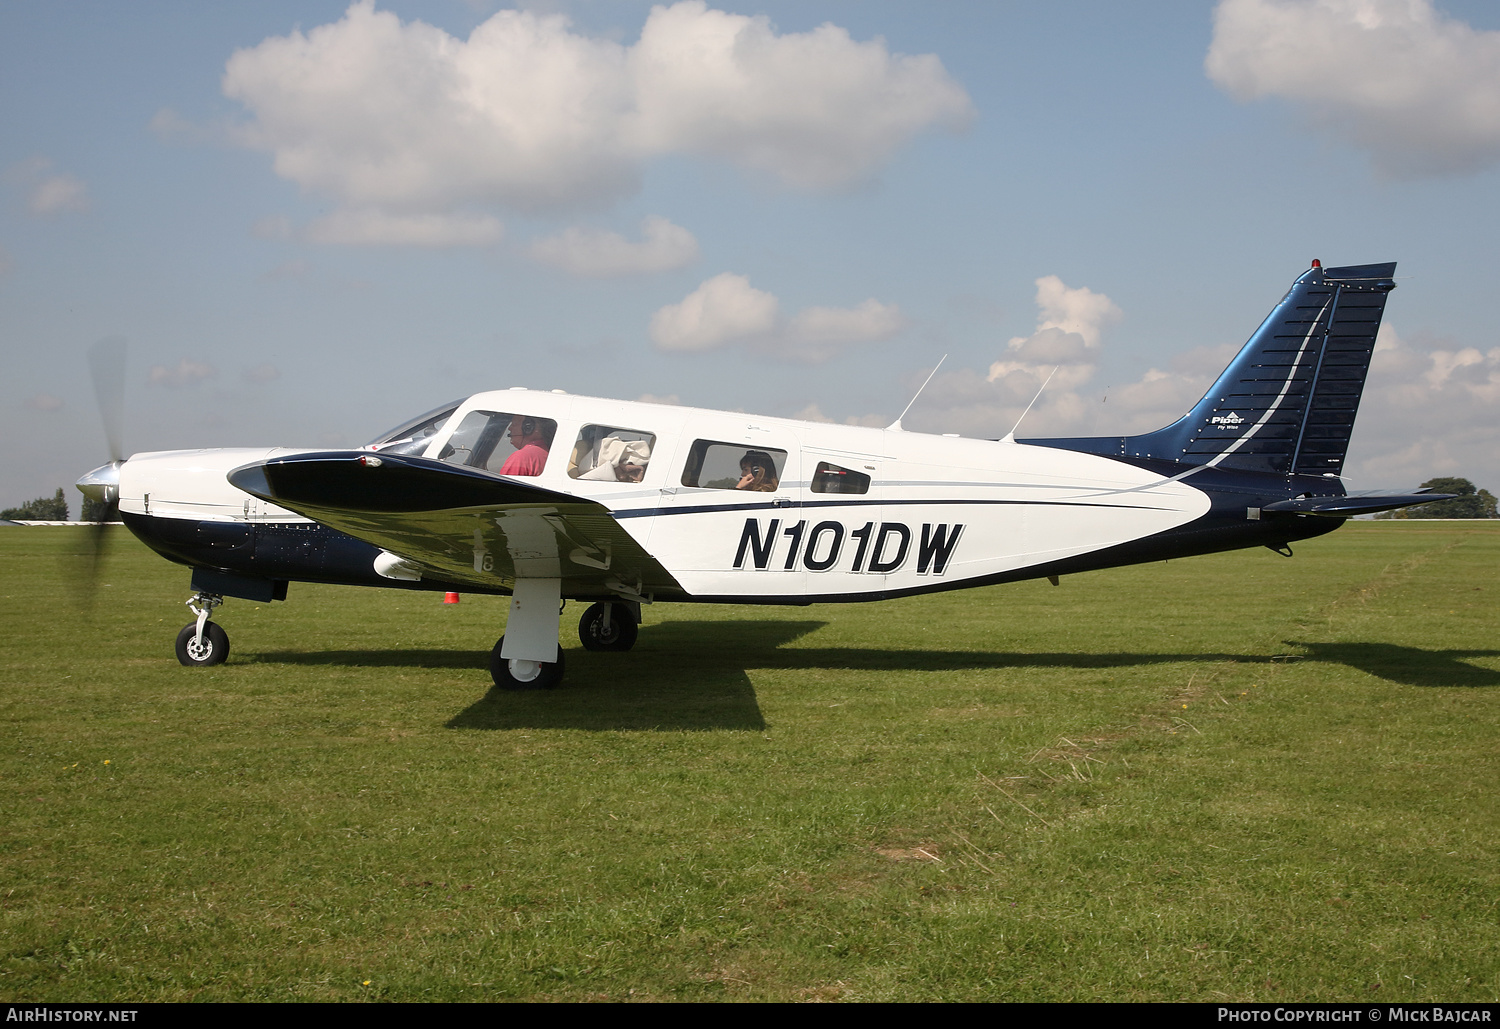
<point x="1287" y="402"/>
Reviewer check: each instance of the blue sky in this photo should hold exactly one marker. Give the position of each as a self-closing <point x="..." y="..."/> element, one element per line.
<point x="311" y="221"/>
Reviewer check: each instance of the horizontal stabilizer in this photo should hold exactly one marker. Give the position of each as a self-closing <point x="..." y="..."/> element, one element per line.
<point x="1353" y="504"/>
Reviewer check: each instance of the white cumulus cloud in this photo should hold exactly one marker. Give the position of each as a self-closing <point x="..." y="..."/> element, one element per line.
<point x="1064" y="354"/>
<point x="59" y="194"/>
<point x="727" y="309"/>
<point x="370" y="226"/>
<point x="1070" y="325"/>
<point x="1416" y="89"/>
<point x="816" y="334"/>
<point x="724" y="309"/>
<point x="601" y="254"/>
<point x="525" y="113"/>
<point x="187" y="373"/>
<point x="1429" y="409"/>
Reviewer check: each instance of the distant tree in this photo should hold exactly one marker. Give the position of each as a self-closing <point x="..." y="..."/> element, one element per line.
<point x="42" y="509"/>
<point x="93" y="510"/>
<point x="1468" y="501"/>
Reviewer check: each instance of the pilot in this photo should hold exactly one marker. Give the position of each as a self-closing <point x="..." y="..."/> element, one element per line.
<point x="532" y="438"/>
<point x="758" y="473"/>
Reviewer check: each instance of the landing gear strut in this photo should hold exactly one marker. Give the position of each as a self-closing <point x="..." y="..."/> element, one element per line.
<point x="609" y="626"/>
<point x="202" y="643"/>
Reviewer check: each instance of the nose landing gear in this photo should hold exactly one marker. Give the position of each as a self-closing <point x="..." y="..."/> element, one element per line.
<point x="202" y="643"/>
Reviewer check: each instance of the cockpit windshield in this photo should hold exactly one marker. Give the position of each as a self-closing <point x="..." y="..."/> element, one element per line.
<point x="412" y="437"/>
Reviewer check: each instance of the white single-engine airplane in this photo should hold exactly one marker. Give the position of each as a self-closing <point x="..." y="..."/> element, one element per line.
<point x="547" y="497"/>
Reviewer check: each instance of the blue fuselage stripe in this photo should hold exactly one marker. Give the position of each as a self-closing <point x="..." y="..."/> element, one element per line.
<point x="647" y="512"/>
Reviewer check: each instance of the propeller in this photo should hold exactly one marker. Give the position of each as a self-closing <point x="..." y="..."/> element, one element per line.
<point x="102" y="485"/>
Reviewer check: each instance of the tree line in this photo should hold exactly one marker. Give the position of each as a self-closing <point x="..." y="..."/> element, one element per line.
<point x="1469" y="502"/>
<point x="53" y="509"/>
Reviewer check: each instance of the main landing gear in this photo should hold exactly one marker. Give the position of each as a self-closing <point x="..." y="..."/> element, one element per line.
<point x="520" y="674"/>
<point x="202" y="643"/>
<point x="608" y="625"/>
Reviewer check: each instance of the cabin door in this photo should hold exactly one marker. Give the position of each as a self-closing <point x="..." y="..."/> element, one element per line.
<point x="731" y="521"/>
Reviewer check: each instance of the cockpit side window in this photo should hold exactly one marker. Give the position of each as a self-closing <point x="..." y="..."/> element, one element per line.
<point x="734" y="466"/>
<point x="606" y="453"/>
<point x="413" y="437"/>
<point x="500" y="442"/>
<point x="830" y="478"/>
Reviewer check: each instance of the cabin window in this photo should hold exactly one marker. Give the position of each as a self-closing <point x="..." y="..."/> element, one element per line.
<point x="500" y="442"/>
<point x="608" y="453"/>
<point x="830" y="478"/>
<point x="413" y="437"/>
<point x="734" y="466"/>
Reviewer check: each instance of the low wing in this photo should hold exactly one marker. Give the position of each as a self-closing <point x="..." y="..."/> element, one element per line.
<point x="462" y="525"/>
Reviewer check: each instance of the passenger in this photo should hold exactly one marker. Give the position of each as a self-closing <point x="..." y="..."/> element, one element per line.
<point x="620" y="460"/>
<point x="758" y="473"/>
<point x="532" y="438"/>
<point x="633" y="460"/>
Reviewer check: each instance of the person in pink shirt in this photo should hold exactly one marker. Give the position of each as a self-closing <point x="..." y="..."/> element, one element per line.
<point x="532" y="437"/>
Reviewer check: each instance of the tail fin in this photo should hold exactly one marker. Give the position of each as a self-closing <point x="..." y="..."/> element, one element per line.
<point x="1287" y="402"/>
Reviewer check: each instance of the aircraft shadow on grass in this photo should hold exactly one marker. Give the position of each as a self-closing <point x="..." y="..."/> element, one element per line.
<point x="708" y="686"/>
<point x="1410" y="666"/>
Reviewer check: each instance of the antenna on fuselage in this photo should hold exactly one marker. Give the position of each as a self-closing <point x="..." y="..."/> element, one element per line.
<point x="1010" y="437"/>
<point x="896" y="425"/>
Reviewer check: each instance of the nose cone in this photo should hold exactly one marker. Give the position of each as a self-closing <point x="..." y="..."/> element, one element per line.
<point x="102" y="484"/>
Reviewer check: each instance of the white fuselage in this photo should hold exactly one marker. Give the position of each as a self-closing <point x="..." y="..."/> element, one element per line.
<point x="935" y="508"/>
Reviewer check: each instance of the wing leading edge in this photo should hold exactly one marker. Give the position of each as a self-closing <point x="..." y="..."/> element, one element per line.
<point x="461" y="524"/>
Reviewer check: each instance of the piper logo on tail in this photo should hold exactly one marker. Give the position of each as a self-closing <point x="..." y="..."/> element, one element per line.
<point x="878" y="547"/>
<point x="1229" y="421"/>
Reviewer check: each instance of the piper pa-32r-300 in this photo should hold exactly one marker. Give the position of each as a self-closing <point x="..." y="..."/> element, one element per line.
<point x="547" y="497"/>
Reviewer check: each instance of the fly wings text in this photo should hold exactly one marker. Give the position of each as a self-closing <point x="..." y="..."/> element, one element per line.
<point x="878" y="547"/>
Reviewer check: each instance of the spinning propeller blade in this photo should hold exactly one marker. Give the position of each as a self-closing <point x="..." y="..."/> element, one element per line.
<point x="107" y="367"/>
<point x="102" y="485"/>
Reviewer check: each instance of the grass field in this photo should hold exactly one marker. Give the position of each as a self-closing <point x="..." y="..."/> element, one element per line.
<point x="1234" y="777"/>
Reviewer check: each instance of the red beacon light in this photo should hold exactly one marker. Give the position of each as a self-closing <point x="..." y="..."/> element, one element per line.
<point x="1317" y="263"/>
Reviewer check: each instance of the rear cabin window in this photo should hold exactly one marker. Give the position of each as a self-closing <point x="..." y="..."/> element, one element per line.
<point x="830" y="478"/>
<point x="734" y="466"/>
<point x="608" y="453"/>
<point x="501" y="442"/>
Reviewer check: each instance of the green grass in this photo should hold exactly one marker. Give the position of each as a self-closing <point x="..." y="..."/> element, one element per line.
<point x="1235" y="777"/>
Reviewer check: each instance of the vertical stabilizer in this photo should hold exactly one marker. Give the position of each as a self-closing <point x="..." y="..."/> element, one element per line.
<point x="1287" y="402"/>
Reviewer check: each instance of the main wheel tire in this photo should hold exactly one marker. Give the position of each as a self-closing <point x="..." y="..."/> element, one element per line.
<point x="620" y="635"/>
<point x="212" y="651"/>
<point x="510" y="674"/>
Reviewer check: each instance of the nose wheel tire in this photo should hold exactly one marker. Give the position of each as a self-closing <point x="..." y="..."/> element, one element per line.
<point x="515" y="674"/>
<point x="619" y="634"/>
<point x="212" y="650"/>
